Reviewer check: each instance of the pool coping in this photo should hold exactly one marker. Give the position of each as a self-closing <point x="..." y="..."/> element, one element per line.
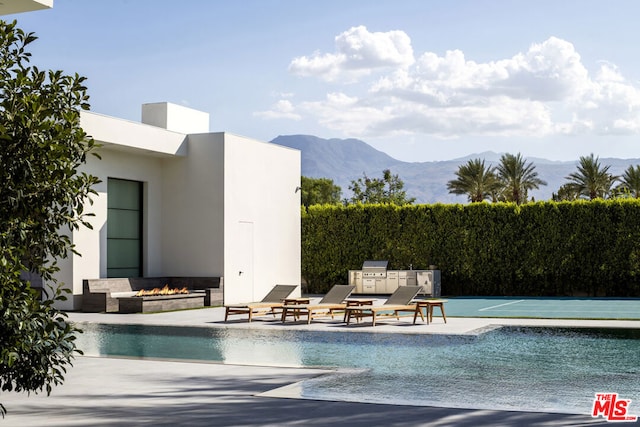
<point x="213" y="317"/>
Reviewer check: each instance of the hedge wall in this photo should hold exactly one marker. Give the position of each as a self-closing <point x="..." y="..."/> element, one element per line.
<point x="537" y="249"/>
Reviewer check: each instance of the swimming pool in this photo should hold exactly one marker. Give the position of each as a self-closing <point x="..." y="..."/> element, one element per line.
<point x="513" y="368"/>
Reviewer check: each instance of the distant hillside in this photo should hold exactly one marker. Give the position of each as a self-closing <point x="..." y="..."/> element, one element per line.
<point x="345" y="160"/>
<point x="339" y="159"/>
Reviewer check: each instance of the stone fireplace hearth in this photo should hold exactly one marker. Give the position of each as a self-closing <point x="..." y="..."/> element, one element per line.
<point x="154" y="303"/>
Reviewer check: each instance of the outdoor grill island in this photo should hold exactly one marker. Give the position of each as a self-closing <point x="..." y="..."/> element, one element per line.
<point x="374" y="278"/>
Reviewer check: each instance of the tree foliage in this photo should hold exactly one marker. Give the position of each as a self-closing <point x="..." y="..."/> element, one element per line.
<point x="477" y="180"/>
<point x="630" y="182"/>
<point x="388" y="189"/>
<point x="591" y="180"/>
<point x="566" y="193"/>
<point x="319" y="191"/>
<point x="510" y="181"/>
<point x="42" y="196"/>
<point x="517" y="177"/>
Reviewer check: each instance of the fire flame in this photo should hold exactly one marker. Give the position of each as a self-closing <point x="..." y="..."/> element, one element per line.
<point x="163" y="291"/>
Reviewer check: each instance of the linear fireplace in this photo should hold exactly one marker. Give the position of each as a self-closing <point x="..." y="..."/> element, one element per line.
<point x="161" y="302"/>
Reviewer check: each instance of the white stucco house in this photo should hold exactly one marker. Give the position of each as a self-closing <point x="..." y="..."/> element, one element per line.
<point x="178" y="200"/>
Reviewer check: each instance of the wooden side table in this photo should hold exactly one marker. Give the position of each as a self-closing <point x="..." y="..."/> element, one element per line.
<point x="356" y="302"/>
<point x="289" y="302"/>
<point x="429" y="305"/>
<point x="294" y="301"/>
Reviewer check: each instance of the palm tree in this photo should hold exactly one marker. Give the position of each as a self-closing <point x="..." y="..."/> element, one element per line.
<point x="477" y="181"/>
<point x="518" y="177"/>
<point x="630" y="181"/>
<point x="592" y="180"/>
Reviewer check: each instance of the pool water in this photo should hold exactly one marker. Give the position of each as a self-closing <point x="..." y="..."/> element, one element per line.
<point x="513" y="368"/>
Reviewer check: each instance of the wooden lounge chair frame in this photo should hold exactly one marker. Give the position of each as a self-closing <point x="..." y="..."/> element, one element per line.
<point x="268" y="305"/>
<point x="399" y="301"/>
<point x="332" y="301"/>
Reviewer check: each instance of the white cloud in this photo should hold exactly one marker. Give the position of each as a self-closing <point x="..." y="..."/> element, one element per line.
<point x="282" y="109"/>
<point x="358" y="53"/>
<point x="503" y="117"/>
<point x="543" y="91"/>
<point x="548" y="72"/>
<point x="347" y="114"/>
<point x="282" y="95"/>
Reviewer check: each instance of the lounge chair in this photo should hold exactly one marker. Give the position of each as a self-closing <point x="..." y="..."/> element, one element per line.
<point x="398" y="302"/>
<point x="274" y="299"/>
<point x="332" y="301"/>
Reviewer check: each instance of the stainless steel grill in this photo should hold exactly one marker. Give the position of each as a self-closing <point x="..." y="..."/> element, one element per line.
<point x="374" y="269"/>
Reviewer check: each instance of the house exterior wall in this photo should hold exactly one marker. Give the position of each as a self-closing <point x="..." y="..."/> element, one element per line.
<point x="255" y="184"/>
<point x="194" y="210"/>
<point x="134" y="167"/>
<point x="260" y="198"/>
<point x="92" y="243"/>
<point x="176" y="118"/>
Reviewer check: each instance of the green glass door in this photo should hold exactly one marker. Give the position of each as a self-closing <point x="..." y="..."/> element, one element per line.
<point x="124" y="228"/>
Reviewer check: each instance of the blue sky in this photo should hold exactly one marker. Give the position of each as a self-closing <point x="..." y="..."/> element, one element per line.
<point x="419" y="80"/>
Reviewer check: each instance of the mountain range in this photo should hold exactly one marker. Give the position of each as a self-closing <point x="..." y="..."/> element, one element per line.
<point x="346" y="160"/>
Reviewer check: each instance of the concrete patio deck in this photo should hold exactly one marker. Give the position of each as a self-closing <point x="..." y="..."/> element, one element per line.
<point x="131" y="392"/>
